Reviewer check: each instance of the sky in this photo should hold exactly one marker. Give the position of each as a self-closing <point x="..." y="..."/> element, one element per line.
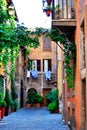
<point x="31" y="14"/>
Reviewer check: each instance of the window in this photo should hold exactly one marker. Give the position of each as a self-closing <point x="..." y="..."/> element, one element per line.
<point x="34" y="65"/>
<point x="47" y="64"/>
<point x="46" y="43"/>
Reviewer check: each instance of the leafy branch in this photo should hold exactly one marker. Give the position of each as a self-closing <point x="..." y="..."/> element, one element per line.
<point x="69" y="50"/>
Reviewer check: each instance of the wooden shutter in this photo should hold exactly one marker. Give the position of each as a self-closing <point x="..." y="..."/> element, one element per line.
<point x="49" y="64"/>
<point x="46" y="43"/>
<point x="38" y="65"/>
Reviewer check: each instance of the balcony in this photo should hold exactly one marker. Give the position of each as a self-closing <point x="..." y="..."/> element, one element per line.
<point x="64" y="17"/>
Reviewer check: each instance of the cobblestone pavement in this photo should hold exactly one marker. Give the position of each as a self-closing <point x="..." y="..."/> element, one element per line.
<point x="33" y="119"/>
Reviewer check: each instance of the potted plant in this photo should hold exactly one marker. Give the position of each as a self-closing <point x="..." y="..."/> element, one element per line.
<point x="53" y="107"/>
<point x="48" y="10"/>
<point x="39" y="100"/>
<point x="28" y="103"/>
<point x="52" y="100"/>
<point x="49" y="2"/>
<point x="15" y="102"/>
<point x="8" y="101"/>
<point x="14" y="105"/>
<point x="2" y="105"/>
<point x="11" y="108"/>
<point x="31" y="98"/>
<point x="52" y="96"/>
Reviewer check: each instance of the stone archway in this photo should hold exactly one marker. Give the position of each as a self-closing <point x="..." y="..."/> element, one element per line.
<point x="32" y="90"/>
<point x="35" y="86"/>
<point x="31" y="96"/>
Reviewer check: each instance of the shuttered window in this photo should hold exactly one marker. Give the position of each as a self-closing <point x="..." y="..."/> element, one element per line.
<point x="47" y="64"/>
<point x="34" y="65"/>
<point x="46" y="43"/>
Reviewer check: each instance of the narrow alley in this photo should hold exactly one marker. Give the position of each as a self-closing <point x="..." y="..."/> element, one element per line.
<point x="33" y="119"/>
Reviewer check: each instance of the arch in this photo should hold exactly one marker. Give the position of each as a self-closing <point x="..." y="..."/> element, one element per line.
<point x="34" y="86"/>
<point x="32" y="90"/>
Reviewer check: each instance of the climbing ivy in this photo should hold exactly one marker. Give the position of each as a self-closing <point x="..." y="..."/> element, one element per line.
<point x="3" y="12"/>
<point x="12" y="36"/>
<point x="1" y="84"/>
<point x="69" y="59"/>
<point x="69" y="50"/>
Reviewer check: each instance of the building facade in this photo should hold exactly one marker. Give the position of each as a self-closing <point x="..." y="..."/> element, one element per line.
<point x="71" y="18"/>
<point x="4" y="78"/>
<point x="60" y="62"/>
<point x="42" y="67"/>
<point x="20" y="76"/>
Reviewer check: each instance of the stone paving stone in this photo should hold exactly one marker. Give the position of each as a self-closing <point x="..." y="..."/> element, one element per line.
<point x="33" y="119"/>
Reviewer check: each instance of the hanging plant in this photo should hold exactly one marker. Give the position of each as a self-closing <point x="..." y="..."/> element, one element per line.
<point x="49" y="2"/>
<point x="48" y="13"/>
<point x="48" y="10"/>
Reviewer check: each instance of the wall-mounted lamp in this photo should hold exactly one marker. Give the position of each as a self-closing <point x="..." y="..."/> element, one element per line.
<point x="11" y="10"/>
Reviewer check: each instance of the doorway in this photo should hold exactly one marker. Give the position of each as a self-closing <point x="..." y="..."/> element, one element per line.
<point x="45" y="91"/>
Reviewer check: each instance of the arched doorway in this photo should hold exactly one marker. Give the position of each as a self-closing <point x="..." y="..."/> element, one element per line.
<point x="32" y="90"/>
<point x="31" y="95"/>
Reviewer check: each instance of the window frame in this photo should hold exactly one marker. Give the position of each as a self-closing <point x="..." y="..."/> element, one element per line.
<point x="49" y="64"/>
<point x="34" y="66"/>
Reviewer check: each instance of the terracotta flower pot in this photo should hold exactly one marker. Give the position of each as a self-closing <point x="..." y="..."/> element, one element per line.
<point x="48" y="13"/>
<point x="8" y="1"/>
<point x="11" y="110"/>
<point x="56" y="111"/>
<point x="37" y="105"/>
<point x="28" y="105"/>
<point x="2" y="111"/>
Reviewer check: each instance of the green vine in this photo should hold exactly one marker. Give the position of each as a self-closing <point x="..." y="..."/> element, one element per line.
<point x="70" y="67"/>
<point x="1" y="83"/>
<point x="12" y="36"/>
<point x="3" y="12"/>
<point x="69" y="50"/>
